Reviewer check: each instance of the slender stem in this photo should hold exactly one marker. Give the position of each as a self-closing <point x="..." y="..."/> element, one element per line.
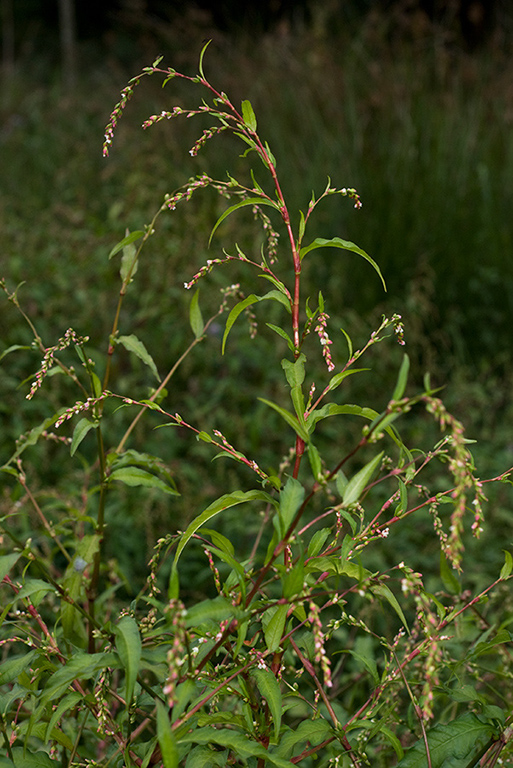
<point x="122" y="294"/>
<point x="311" y="671"/>
<point x="418" y="710"/>
<point x="165" y="381"/>
<point x="23" y="482"/>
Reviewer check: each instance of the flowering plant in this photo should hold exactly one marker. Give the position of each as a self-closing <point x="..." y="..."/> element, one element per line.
<point x="307" y="646"/>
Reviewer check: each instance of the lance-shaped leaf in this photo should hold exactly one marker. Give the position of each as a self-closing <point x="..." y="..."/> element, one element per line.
<point x="195" y="316"/>
<point x="224" y="502"/>
<point x="7" y="562"/>
<point x="80" y="431"/>
<point x="298" y="426"/>
<point x="359" y="482"/>
<point x="508" y="565"/>
<point x="13" y="348"/>
<point x="216" y="610"/>
<point x="291" y="498"/>
<point x="129" y="263"/>
<point x="166" y="738"/>
<point x="346" y="245"/>
<point x="331" y="409"/>
<point x="248" y="115"/>
<point x="135" y="476"/>
<point x="245" y="303"/>
<point x="311" y="731"/>
<point x="250" y="201"/>
<point x="128" y="240"/>
<point x="128" y="644"/>
<point x="67" y="703"/>
<point x="11" y="668"/>
<point x="135" y="345"/>
<point x="402" y="378"/>
<point x="269" y="688"/>
<point x="381" y="590"/>
<point x="236" y="741"/>
<point x="273" y="631"/>
<point x="81" y="666"/>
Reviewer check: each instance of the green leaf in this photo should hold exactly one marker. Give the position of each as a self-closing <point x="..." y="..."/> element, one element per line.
<point x="346" y="245"/>
<point x="128" y="644"/>
<point x="25" y="759"/>
<point x="295" y="372"/>
<point x="7" y="562"/>
<point x="235" y="312"/>
<point x="359" y="482"/>
<point x="314" y="458"/>
<point x="224" y="502"/>
<point x="368" y="661"/>
<point x="97" y="385"/>
<point x="349" y="343"/>
<point x="277" y="283"/>
<point x="67" y="703"/>
<point x="216" y="610"/>
<point x="283" y="334"/>
<point x="402" y="378"/>
<point x="135" y="476"/>
<point x="293" y="580"/>
<point x="33" y="587"/>
<point x="166" y="738"/>
<point x="455" y="745"/>
<point x="80" y="431"/>
<point x="302" y="226"/>
<point x="195" y="317"/>
<point x="273" y="632"/>
<point x="381" y="590"/>
<point x="236" y="741"/>
<point x="13" y="348"/>
<point x="11" y="668"/>
<point x="220" y="542"/>
<point x="131" y="238"/>
<point x="403" y="499"/>
<point x="311" y="731"/>
<point x="248" y="116"/>
<point x="337" y="380"/>
<point x="136" y="346"/>
<point x="269" y="688"/>
<point x="270" y="154"/>
<point x="490" y="646"/>
<point x="330" y="409"/>
<point x="291" y="498"/>
<point x="204" y="757"/>
<point x="129" y="263"/>
<point x="249" y="201"/>
<point x="298" y="401"/>
<point x="242" y="305"/>
<point x="33" y="436"/>
<point x="80" y="666"/>
<point x="317" y="541"/>
<point x="292" y="421"/>
<point x="506" y="568"/>
<point x="202" y="54"/>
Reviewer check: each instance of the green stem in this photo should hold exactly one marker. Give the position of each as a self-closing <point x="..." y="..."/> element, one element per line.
<point x="164" y="383"/>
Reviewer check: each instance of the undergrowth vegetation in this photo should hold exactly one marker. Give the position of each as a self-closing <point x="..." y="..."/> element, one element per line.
<point x="330" y="594"/>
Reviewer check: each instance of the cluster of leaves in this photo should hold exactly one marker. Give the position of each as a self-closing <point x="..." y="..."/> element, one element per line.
<point x="301" y="649"/>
